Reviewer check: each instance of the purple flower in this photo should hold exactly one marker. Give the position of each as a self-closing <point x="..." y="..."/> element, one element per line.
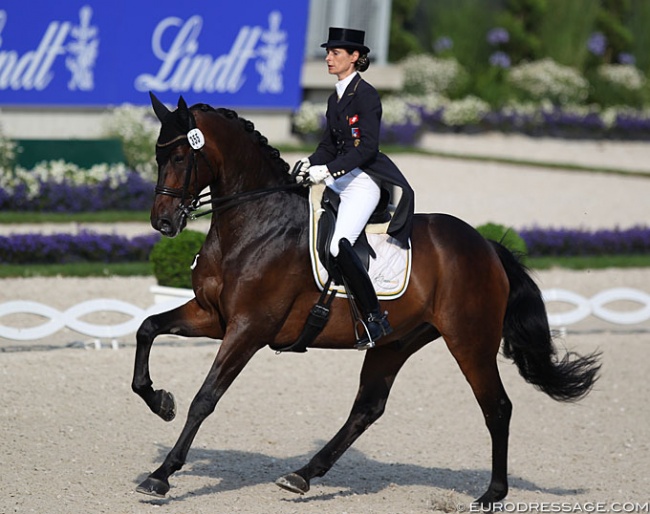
<point x="569" y="242"/>
<point x="443" y="44"/>
<point x="626" y="58"/>
<point x="497" y="35"/>
<point x="597" y="43"/>
<point x="500" y="60"/>
<point x="86" y="246"/>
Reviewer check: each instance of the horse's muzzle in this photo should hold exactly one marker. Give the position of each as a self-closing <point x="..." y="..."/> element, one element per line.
<point x="170" y="226"/>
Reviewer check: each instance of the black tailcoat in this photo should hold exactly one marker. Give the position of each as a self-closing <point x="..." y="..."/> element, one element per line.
<point x="351" y="140"/>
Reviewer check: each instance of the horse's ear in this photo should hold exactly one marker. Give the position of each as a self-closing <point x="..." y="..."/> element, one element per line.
<point x="183" y="111"/>
<point x="158" y="107"/>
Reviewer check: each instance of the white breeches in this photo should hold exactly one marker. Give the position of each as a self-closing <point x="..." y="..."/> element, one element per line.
<point x="359" y="195"/>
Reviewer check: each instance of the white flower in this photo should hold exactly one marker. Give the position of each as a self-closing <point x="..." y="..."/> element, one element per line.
<point x="426" y="103"/>
<point x="397" y="111"/>
<point x="138" y="130"/>
<point x="546" y="79"/>
<point x="623" y="75"/>
<point x="468" y="111"/>
<point x="61" y="172"/>
<point x="310" y="118"/>
<point x="424" y="74"/>
<point x="8" y="150"/>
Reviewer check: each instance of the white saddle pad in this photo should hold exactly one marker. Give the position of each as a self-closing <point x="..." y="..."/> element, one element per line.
<point x="389" y="271"/>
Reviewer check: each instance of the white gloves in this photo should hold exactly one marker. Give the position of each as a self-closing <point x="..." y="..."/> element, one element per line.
<point x="304" y="164"/>
<point x="318" y="174"/>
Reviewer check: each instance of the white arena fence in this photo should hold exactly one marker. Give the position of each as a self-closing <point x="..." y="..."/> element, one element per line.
<point x="637" y="311"/>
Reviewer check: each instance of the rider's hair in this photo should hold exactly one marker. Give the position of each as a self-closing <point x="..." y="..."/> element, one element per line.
<point x="363" y="62"/>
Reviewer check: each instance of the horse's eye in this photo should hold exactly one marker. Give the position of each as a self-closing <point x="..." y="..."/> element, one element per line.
<point x="178" y="158"/>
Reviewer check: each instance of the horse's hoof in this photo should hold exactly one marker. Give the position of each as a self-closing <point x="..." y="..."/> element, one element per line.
<point x="294" y="483"/>
<point x="166" y="405"/>
<point x="154" y="487"/>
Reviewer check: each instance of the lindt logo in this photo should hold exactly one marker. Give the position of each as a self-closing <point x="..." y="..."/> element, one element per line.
<point x="183" y="68"/>
<point x="33" y="69"/>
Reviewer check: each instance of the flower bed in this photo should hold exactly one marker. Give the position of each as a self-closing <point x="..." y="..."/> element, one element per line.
<point x="57" y="186"/>
<point x="542" y="242"/>
<point x="86" y="246"/>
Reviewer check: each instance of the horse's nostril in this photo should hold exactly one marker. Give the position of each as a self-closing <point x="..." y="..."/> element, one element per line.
<point x="163" y="225"/>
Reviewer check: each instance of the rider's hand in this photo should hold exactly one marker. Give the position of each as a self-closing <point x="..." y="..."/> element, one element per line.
<point x="318" y="174"/>
<point x="304" y="164"/>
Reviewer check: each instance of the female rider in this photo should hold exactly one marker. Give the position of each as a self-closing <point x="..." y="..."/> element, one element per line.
<point x="348" y="160"/>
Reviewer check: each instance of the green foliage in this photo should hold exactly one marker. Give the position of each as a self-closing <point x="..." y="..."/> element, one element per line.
<point x="610" y="22"/>
<point x="508" y="237"/>
<point x="402" y="40"/>
<point x="492" y="85"/>
<point x="465" y="23"/>
<point x="523" y="19"/>
<point x="172" y="258"/>
<point x="638" y="21"/>
<point x="17" y="217"/>
<point x="565" y="30"/>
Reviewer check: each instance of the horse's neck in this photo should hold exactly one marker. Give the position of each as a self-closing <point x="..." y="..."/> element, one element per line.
<point x="260" y="220"/>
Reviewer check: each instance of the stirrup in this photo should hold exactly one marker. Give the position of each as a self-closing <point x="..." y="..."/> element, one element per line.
<point x="375" y="327"/>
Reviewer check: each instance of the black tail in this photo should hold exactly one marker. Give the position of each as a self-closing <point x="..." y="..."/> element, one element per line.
<point x="528" y="341"/>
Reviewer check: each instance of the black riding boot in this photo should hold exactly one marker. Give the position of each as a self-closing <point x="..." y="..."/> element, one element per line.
<point x="358" y="281"/>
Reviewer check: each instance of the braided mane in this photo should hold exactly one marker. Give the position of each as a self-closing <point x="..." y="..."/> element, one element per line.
<point x="278" y="163"/>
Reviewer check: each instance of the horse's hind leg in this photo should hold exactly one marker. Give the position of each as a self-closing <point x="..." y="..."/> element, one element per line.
<point x="378" y="373"/>
<point x="481" y="371"/>
<point x="187" y="320"/>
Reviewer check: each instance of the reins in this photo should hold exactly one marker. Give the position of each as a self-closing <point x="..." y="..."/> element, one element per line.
<point x="226" y="202"/>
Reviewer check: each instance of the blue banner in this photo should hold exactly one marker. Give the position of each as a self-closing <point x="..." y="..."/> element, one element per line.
<point x="98" y="53"/>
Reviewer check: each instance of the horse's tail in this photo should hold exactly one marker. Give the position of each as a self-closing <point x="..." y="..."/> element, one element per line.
<point x="528" y="340"/>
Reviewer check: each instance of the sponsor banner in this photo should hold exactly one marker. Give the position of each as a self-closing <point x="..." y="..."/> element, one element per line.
<point x="97" y="53"/>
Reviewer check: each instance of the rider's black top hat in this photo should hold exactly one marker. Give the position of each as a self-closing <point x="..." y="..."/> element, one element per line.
<point x="346" y="38"/>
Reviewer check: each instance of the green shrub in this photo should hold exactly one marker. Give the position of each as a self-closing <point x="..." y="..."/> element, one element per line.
<point x="508" y="237"/>
<point x="522" y="19"/>
<point x="171" y="258"/>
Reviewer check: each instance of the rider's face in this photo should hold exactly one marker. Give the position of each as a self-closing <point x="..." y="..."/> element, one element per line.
<point x="340" y="62"/>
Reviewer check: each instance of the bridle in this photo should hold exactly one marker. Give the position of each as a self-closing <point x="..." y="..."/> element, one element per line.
<point x="195" y="139"/>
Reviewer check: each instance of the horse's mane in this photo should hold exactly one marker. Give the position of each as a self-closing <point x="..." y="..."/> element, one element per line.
<point x="277" y="162"/>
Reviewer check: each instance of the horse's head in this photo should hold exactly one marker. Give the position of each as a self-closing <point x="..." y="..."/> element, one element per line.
<point x="200" y="147"/>
<point x="182" y="171"/>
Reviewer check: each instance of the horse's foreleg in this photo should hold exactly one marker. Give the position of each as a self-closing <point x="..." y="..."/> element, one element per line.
<point x="186" y="320"/>
<point x="378" y="373"/>
<point x="230" y="360"/>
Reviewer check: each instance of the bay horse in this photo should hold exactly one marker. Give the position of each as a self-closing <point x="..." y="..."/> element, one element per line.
<point x="254" y="288"/>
